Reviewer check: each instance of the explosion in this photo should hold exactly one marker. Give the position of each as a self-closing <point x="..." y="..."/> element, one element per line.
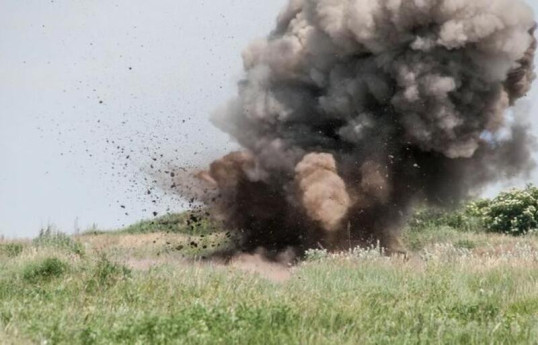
<point x="352" y="111"/>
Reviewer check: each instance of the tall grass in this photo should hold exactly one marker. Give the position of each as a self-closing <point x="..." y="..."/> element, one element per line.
<point x="50" y="237"/>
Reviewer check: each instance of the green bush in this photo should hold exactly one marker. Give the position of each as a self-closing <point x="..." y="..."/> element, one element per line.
<point x="44" y="270"/>
<point x="514" y="212"/>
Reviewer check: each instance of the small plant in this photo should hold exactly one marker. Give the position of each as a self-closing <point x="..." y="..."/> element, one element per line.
<point x="44" y="270"/>
<point x="50" y="237"/>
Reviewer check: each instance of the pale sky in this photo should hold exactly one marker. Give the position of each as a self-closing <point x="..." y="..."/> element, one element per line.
<point x="91" y="91"/>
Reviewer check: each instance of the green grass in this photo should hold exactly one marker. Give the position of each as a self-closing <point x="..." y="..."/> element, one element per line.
<point x="455" y="287"/>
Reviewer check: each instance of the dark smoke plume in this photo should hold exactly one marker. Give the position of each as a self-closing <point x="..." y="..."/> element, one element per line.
<point x="351" y="111"/>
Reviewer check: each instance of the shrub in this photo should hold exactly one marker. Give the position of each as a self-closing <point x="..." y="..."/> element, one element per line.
<point x="44" y="270"/>
<point x="514" y="212"/>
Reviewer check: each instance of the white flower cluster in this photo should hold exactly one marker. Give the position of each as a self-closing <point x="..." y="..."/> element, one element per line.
<point x="514" y="212"/>
<point x="362" y="253"/>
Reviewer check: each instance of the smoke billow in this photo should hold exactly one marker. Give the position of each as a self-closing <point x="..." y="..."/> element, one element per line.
<point x="351" y="111"/>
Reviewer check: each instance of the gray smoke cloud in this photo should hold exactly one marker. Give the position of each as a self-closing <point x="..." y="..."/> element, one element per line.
<point x="351" y="111"/>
